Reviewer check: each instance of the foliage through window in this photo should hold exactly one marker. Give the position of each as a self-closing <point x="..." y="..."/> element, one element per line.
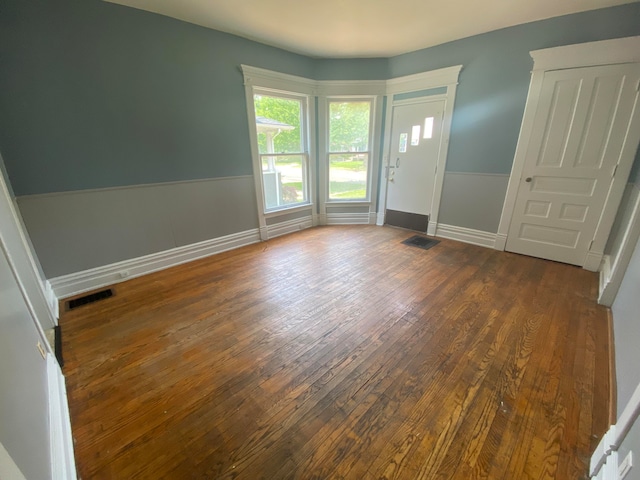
<point x="349" y="149"/>
<point x="282" y="148"/>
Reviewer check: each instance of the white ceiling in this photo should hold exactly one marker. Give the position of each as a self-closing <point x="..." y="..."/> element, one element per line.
<point x="361" y="28"/>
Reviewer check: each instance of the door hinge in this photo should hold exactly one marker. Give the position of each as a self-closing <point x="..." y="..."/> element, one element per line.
<point x="615" y="169"/>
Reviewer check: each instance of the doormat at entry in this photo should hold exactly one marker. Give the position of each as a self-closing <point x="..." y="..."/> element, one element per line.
<point x="421" y="242"/>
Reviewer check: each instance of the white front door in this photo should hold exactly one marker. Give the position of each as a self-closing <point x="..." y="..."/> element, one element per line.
<point x="580" y="126"/>
<point x="416" y="134"/>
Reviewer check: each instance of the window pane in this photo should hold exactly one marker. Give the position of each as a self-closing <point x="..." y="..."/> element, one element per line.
<point x="415" y="135"/>
<point x="348" y="176"/>
<point x="402" y="148"/>
<point x="278" y="122"/>
<point x="282" y="177"/>
<point x="349" y="126"/>
<point x="428" y="127"/>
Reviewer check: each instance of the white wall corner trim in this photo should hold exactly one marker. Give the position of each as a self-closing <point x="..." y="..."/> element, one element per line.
<point x="501" y="242"/>
<point x="593" y="261"/>
<point x="604" y="52"/>
<point x="63" y="465"/>
<point x="52" y="299"/>
<point x="75" y="283"/>
<point x="466" y="235"/>
<point x="432" y="228"/>
<point x="380" y="218"/>
<point x="289" y="226"/>
<point x="613" y="438"/>
<point x="611" y="278"/>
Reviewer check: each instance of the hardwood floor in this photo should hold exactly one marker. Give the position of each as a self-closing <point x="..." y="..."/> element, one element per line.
<point x="339" y="353"/>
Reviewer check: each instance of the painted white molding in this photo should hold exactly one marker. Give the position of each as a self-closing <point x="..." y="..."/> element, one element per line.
<point x="612" y="440"/>
<point x="277" y="81"/>
<point x="611" y="278"/>
<point x="8" y="468"/>
<point x="432" y="228"/>
<point x="501" y="242"/>
<point x="590" y="54"/>
<point x="348" y="218"/>
<point x="466" y="235"/>
<point x="350" y="87"/>
<point x="52" y="299"/>
<point x="290" y="226"/>
<point x="593" y="261"/>
<point x="373" y="216"/>
<point x="63" y="465"/>
<point x="80" y="282"/>
<point x="573" y="56"/>
<point x="380" y="218"/>
<point x="424" y="81"/>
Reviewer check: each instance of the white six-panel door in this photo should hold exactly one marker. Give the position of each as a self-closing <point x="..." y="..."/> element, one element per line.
<point x="579" y="130"/>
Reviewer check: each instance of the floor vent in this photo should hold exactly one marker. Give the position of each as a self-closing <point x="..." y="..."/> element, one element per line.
<point x="421" y="241"/>
<point x="92" y="297"/>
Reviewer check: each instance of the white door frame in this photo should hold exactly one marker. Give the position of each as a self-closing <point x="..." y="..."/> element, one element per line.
<point x="591" y="54"/>
<point x="444" y="77"/>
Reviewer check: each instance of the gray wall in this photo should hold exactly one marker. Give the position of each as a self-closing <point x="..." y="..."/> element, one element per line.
<point x="93" y="94"/>
<point x="626" y="324"/>
<point x="79" y="230"/>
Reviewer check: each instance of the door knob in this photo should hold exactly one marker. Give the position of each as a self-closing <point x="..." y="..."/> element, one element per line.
<point x="528" y="179"/>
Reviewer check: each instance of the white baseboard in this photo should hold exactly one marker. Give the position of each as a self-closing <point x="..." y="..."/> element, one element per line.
<point x="75" y="283"/>
<point x="605" y="453"/>
<point x="501" y="242"/>
<point x="432" y="228"/>
<point x="466" y="235"/>
<point x="380" y="219"/>
<point x="592" y="261"/>
<point x="348" y="219"/>
<point x="63" y="465"/>
<point x="290" y="226"/>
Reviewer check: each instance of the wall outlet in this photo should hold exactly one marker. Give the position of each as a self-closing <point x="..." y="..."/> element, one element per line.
<point x="625" y="466"/>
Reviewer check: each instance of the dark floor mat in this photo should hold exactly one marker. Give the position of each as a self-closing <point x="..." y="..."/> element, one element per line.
<point x="421" y="241"/>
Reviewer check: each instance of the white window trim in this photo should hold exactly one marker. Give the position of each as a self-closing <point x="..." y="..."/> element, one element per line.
<point x="374" y="151"/>
<point x="257" y="79"/>
<point x="321" y="90"/>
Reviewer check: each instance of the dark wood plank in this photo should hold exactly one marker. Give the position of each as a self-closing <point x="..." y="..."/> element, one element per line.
<point x="337" y="352"/>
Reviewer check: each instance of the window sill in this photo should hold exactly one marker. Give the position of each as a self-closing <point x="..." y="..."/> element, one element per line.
<point x="356" y="203"/>
<point x="286" y="210"/>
